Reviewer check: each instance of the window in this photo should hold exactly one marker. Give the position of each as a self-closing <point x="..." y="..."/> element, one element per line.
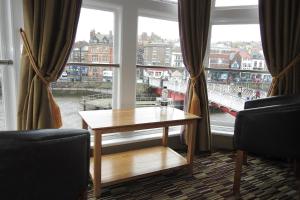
<point x="2" y="120"/>
<point x="102" y="35"/>
<point x="237" y="77"/>
<point x="84" y="85"/>
<point x="94" y="58"/>
<point x="159" y="45"/>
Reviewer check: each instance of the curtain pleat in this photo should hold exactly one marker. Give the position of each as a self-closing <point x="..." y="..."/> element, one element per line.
<point x="194" y="18"/>
<point x="280" y="34"/>
<point x="50" y="28"/>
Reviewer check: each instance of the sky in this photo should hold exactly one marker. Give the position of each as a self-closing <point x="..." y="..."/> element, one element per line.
<point x="163" y="28"/>
<point x="103" y="21"/>
<point x="235" y="2"/>
<point x="249" y="32"/>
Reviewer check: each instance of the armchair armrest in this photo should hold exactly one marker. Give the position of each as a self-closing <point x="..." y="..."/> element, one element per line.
<point x="276" y="100"/>
<point x="271" y="130"/>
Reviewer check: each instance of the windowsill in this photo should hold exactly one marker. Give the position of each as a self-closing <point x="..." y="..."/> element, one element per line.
<point x="222" y="133"/>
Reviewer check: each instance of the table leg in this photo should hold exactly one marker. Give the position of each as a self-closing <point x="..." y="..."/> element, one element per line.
<point x="238" y="172"/>
<point x="165" y="136"/>
<point x="84" y="126"/>
<point x="191" y="144"/>
<point x="97" y="163"/>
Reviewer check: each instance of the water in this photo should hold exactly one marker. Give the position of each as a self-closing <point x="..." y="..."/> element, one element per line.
<point x="70" y="106"/>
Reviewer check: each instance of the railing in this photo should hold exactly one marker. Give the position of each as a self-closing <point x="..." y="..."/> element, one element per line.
<point x="6" y="62"/>
<point x="234" y="89"/>
<point x="206" y="69"/>
<point x="159" y="67"/>
<point x="93" y="64"/>
<point x="236" y="70"/>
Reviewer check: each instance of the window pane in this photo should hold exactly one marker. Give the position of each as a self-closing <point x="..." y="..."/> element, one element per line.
<point x="167" y="1"/>
<point x="82" y="86"/>
<point x="2" y="120"/>
<point x="237" y="71"/>
<point x="159" y="45"/>
<point x="225" y="3"/>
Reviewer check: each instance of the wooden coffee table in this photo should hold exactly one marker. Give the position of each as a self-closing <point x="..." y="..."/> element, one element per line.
<point x="124" y="166"/>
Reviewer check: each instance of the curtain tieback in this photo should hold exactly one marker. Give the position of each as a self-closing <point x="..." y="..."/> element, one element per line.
<point x="53" y="106"/>
<point x="194" y="78"/>
<point x="194" y="105"/>
<point x="31" y="59"/>
<point x="276" y="78"/>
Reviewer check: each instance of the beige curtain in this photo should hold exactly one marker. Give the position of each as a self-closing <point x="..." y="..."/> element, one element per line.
<point x="194" y="17"/>
<point x="50" y="28"/>
<point x="280" y="34"/>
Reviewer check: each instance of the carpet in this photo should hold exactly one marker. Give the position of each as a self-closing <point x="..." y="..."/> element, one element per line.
<point x="212" y="178"/>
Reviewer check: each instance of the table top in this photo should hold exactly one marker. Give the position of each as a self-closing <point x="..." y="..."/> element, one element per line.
<point x="103" y="119"/>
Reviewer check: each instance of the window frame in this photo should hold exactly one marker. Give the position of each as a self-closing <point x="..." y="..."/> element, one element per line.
<point x="116" y="10"/>
<point x="124" y="14"/>
<point x="230" y="15"/>
<point x="10" y="22"/>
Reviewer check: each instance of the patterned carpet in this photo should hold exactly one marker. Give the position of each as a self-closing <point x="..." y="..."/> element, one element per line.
<point x="212" y="179"/>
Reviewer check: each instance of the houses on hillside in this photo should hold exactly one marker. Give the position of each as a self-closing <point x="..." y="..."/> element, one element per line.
<point x="152" y="50"/>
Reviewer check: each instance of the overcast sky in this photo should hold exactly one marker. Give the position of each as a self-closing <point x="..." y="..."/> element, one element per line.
<point x="235" y="2"/>
<point x="103" y="21"/>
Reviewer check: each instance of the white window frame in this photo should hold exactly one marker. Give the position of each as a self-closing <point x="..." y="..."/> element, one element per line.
<point x="116" y="10"/>
<point x="126" y="26"/>
<point x="10" y="22"/>
<point x="230" y="15"/>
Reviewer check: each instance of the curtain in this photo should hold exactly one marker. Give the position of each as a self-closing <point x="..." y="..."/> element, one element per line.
<point x="280" y="34"/>
<point x="194" y="17"/>
<point x="50" y="29"/>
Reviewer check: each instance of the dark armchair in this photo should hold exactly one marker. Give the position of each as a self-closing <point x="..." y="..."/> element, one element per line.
<point x="44" y="164"/>
<point x="267" y="127"/>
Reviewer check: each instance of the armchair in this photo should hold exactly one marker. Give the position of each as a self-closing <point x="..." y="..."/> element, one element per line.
<point x="44" y="164"/>
<point x="267" y="127"/>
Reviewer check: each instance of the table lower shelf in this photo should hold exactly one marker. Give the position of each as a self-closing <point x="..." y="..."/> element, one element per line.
<point x="125" y="166"/>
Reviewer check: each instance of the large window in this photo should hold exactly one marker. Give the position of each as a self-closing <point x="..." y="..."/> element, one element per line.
<point x="87" y="80"/>
<point x="236" y="72"/>
<point x="159" y="62"/>
<point x="108" y="32"/>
